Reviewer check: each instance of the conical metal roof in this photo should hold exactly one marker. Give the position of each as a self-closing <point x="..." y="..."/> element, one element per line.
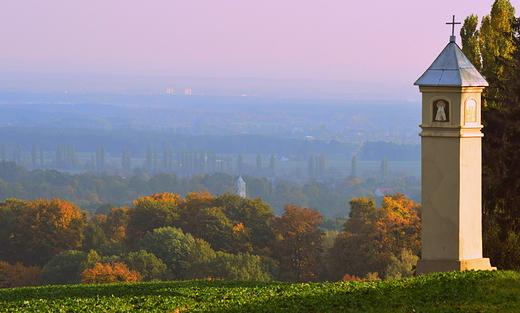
<point x="452" y="68"/>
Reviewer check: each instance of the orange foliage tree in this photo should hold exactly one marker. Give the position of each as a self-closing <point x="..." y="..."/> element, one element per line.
<point x="298" y="243"/>
<point x="18" y="275"/>
<point x="114" y="224"/>
<point x="109" y="273"/>
<point x="40" y="229"/>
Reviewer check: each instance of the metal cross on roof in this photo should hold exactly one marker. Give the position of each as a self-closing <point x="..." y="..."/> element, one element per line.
<point x="453" y="25"/>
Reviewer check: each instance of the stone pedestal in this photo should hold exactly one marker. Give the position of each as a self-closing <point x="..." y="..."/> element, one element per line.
<point x="434" y="266"/>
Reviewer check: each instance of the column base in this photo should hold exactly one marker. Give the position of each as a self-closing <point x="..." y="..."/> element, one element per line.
<point x="433" y="266"/>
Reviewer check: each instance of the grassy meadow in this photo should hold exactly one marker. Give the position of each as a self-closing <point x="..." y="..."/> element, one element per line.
<point x="484" y="291"/>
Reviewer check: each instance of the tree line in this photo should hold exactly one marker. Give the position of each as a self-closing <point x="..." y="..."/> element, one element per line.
<point x="90" y="190"/>
<point x="17" y="140"/>
<point x="166" y="237"/>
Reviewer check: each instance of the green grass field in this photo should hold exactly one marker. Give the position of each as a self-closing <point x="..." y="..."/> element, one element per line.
<point x="493" y="291"/>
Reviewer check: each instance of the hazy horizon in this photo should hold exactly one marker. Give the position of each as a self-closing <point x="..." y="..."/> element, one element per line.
<point x="377" y="46"/>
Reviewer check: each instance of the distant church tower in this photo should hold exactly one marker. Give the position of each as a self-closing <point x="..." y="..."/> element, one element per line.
<point x="241" y="187"/>
<point x="451" y="164"/>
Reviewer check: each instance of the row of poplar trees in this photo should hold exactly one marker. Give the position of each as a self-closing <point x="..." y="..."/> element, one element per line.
<point x="493" y="46"/>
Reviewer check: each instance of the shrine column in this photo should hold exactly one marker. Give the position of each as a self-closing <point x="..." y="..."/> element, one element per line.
<point x="451" y="164"/>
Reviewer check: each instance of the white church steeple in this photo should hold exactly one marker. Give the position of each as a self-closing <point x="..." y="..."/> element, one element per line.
<point x="241" y="187"/>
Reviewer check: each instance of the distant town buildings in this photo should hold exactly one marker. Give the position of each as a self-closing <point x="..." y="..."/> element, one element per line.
<point x="170" y="91"/>
<point x="381" y="192"/>
<point x="187" y="92"/>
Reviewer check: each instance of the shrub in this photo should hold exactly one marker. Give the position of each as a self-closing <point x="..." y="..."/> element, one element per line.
<point x="109" y="273"/>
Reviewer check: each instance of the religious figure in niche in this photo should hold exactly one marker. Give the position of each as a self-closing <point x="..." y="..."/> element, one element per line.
<point x="440" y="111"/>
<point x="471" y="111"/>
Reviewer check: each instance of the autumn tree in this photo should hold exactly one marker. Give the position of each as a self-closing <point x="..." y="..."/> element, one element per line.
<point x="298" y="243"/>
<point x="373" y="235"/>
<point x="109" y="273"/>
<point x="43" y="228"/>
<point x="399" y="226"/>
<point x="17" y="275"/>
<point x="116" y="223"/>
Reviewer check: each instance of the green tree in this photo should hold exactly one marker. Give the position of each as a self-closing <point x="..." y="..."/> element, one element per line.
<point x="151" y="267"/>
<point x="259" y="164"/>
<point x="497" y="47"/>
<point x="272" y="165"/>
<point x="310" y="165"/>
<point x="93" y="237"/>
<point x="202" y="219"/>
<point x="42" y="153"/>
<point x="321" y="164"/>
<point x="470" y="36"/>
<point x="174" y="247"/>
<point x="126" y="161"/>
<point x="93" y="163"/>
<point x="34" y="154"/>
<point x="353" y="166"/>
<point x="402" y="265"/>
<point x="149" y="159"/>
<point x="241" y="266"/>
<point x="163" y="182"/>
<point x="59" y="155"/>
<point x="240" y="163"/>
<point x="3" y="151"/>
<point x="149" y="213"/>
<point x="384" y="168"/>
<point x="64" y="268"/>
<point x="166" y="160"/>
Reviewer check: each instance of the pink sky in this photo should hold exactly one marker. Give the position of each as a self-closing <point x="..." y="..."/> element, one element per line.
<point x="371" y="40"/>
